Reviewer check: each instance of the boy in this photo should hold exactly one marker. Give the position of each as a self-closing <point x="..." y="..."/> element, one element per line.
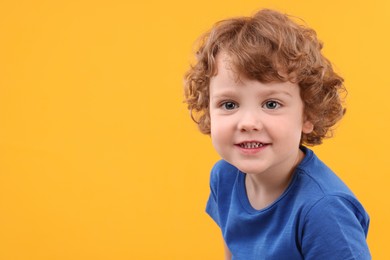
<point x="262" y="89"/>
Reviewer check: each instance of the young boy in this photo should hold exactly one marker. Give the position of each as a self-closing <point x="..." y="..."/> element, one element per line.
<point x="262" y="89"/>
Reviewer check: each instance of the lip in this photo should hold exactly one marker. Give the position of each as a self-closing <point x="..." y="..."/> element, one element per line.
<point x="251" y="146"/>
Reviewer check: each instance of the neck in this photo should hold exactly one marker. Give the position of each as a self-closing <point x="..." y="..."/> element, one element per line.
<point x="263" y="189"/>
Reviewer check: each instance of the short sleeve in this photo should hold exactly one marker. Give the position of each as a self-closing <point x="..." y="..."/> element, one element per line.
<point x="212" y="204"/>
<point x="335" y="228"/>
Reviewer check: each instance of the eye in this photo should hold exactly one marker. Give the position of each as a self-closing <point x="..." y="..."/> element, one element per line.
<point x="229" y="105"/>
<point x="272" y="104"/>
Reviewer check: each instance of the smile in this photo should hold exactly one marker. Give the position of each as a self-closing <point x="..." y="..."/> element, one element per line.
<point x="251" y="145"/>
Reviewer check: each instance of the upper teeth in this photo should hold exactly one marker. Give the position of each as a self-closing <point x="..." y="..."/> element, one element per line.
<point x="251" y="145"/>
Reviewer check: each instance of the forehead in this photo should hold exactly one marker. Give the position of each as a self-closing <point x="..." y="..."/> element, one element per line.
<point x="224" y="67"/>
<point x="225" y="75"/>
<point x="227" y="78"/>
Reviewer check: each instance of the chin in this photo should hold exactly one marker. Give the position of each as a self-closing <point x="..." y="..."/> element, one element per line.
<point x="255" y="169"/>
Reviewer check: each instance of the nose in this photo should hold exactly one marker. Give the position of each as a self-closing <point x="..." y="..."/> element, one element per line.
<point x="250" y="121"/>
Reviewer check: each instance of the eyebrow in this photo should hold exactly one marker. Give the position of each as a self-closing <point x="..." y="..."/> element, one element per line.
<point x="267" y="92"/>
<point x="276" y="92"/>
<point x="221" y="95"/>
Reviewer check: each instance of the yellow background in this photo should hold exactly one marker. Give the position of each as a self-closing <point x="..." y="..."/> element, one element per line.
<point x="98" y="156"/>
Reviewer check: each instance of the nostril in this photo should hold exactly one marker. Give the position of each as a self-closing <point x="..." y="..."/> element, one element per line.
<point x="249" y="121"/>
<point x="249" y="127"/>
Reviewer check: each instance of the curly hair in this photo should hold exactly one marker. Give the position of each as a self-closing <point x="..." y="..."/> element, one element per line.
<point x="268" y="47"/>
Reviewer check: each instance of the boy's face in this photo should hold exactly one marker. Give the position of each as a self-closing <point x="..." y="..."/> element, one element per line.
<point x="254" y="126"/>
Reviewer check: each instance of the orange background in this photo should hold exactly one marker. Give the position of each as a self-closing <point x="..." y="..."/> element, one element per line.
<point x="98" y="156"/>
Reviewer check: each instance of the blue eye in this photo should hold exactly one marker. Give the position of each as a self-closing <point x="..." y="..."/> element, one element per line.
<point x="271" y="104"/>
<point x="229" y="105"/>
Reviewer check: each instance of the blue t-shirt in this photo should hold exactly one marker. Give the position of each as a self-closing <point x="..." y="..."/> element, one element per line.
<point x="317" y="216"/>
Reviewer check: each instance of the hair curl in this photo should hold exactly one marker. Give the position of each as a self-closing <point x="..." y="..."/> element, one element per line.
<point x="269" y="46"/>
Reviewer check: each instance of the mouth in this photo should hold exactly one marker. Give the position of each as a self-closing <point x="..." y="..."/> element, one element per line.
<point x="251" y="145"/>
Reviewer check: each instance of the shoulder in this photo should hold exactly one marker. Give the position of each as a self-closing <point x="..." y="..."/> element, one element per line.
<point x="322" y="189"/>
<point x="224" y="172"/>
<point x="338" y="222"/>
<point x="339" y="208"/>
<point x="316" y="177"/>
<point x="331" y="215"/>
<point x="223" y="165"/>
<point x="222" y="182"/>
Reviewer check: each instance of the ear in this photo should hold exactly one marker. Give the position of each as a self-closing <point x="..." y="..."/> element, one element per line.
<point x="307" y="127"/>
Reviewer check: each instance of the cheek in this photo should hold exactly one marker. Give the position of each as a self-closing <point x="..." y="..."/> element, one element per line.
<point x="286" y="128"/>
<point x="215" y="126"/>
<point x="220" y="130"/>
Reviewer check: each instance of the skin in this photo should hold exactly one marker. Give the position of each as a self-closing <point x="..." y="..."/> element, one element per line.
<point x="257" y="127"/>
<point x="228" y="254"/>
